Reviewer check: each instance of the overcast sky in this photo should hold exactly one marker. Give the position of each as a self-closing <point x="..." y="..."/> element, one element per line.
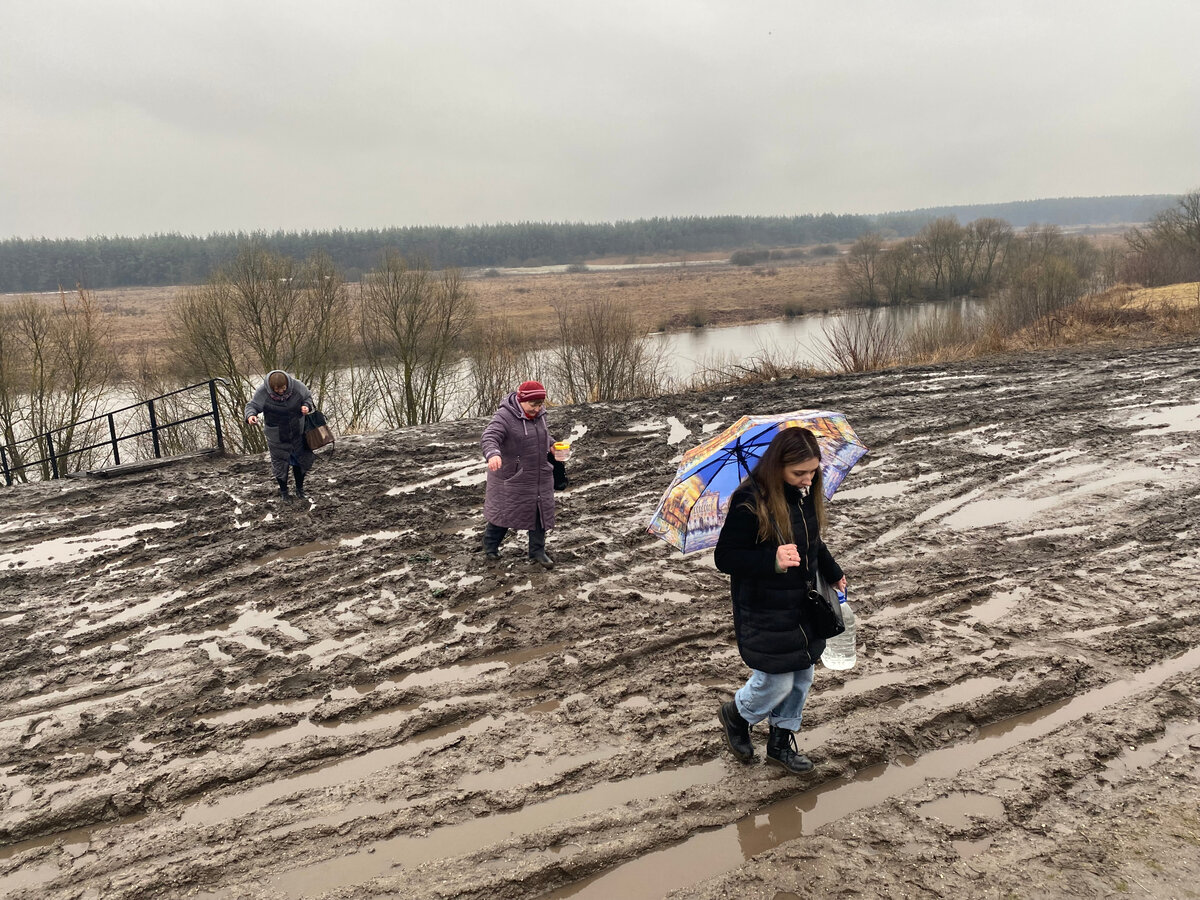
<point x="124" y="117"/>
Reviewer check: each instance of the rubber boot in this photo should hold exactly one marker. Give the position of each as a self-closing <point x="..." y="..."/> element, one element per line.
<point x="781" y="751"/>
<point x="537" y="547"/>
<point x="736" y="731"/>
<point x="492" y="536"/>
<point x="299" y="475"/>
<point x="283" y="490"/>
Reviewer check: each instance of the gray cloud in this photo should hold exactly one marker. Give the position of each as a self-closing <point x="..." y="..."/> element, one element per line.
<point x="134" y="117"/>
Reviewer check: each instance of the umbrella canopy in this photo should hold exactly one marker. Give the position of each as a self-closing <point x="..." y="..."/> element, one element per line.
<point x="691" y="512"/>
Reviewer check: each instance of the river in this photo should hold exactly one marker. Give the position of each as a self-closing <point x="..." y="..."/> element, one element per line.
<point x="795" y="342"/>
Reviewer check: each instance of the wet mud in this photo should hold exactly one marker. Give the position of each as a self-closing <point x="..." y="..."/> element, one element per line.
<point x="210" y="694"/>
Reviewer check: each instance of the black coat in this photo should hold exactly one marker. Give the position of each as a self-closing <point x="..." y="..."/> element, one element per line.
<point x="773" y="632"/>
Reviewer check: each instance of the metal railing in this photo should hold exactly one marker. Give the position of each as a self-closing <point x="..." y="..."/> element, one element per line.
<point x="11" y="456"/>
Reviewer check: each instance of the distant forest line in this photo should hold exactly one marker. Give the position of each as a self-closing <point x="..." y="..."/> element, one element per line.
<point x="43" y="264"/>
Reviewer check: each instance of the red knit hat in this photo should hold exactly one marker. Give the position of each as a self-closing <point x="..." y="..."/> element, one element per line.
<point x="531" y="390"/>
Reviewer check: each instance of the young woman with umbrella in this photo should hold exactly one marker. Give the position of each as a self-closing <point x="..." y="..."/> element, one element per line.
<point x="771" y="547"/>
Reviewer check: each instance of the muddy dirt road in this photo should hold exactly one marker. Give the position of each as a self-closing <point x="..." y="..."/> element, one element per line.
<point x="206" y="694"/>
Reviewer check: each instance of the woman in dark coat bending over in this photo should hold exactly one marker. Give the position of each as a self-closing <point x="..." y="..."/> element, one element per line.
<point x="520" y="479"/>
<point x="283" y="402"/>
<point x="771" y="547"/>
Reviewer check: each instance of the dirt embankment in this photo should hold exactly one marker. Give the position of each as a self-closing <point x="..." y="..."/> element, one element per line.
<point x="207" y="694"/>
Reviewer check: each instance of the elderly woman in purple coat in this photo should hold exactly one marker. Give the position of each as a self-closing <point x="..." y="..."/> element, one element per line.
<point x="521" y="478"/>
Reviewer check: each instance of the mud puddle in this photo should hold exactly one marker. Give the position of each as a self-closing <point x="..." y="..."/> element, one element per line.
<point x="711" y="853"/>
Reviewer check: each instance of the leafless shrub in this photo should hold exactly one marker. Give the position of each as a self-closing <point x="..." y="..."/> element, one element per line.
<point x="766" y="364"/>
<point x="946" y="334"/>
<point x="861" y="342"/>
<point x="602" y="354"/>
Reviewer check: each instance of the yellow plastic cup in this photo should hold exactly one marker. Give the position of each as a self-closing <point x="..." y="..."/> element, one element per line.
<point x="562" y="451"/>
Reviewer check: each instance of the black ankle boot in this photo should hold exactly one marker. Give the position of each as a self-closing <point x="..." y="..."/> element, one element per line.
<point x="736" y="730"/>
<point x="299" y="474"/>
<point x="283" y="490"/>
<point x="781" y="751"/>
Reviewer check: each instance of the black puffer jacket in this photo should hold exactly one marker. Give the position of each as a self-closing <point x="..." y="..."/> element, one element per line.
<point x="772" y="631"/>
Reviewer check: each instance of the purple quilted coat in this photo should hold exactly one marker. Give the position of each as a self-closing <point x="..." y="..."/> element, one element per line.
<point x="525" y="483"/>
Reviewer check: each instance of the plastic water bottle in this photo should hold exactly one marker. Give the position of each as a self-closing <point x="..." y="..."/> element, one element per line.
<point x="839" y="651"/>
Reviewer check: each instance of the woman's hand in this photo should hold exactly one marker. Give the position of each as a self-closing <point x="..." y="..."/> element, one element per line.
<point x="841" y="585"/>
<point x="495" y="463"/>
<point x="253" y="420"/>
<point x="304" y="410"/>
<point x="787" y="556"/>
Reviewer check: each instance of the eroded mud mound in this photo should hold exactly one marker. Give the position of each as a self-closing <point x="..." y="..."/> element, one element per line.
<point x="209" y="694"/>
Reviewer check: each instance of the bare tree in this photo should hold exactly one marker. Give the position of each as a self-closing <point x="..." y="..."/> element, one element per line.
<point x="205" y="329"/>
<point x="319" y="328"/>
<point x="858" y="270"/>
<point x="941" y="242"/>
<point x="1168" y="250"/>
<point x="13" y="399"/>
<point x="411" y="322"/>
<point x="499" y="356"/>
<point x="1036" y="297"/>
<point x="901" y="272"/>
<point x="263" y="312"/>
<point x="991" y="237"/>
<point x="57" y="365"/>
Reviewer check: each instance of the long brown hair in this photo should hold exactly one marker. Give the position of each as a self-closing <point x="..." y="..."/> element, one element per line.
<point x="791" y="447"/>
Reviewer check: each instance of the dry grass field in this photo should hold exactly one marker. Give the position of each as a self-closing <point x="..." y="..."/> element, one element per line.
<point x="668" y="299"/>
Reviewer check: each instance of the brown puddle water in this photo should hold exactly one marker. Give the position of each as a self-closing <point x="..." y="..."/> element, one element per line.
<point x="297" y="551"/>
<point x="66" y="708"/>
<point x="76" y="841"/>
<point x="248" y="801"/>
<point x="1177" y="732"/>
<point x="328" y="775"/>
<point x="967" y="849"/>
<point x="26" y="877"/>
<point x="375" y="721"/>
<point x="466" y="837"/>
<point x="711" y="853"/>
<point x="997" y="606"/>
<point x="959" y="809"/>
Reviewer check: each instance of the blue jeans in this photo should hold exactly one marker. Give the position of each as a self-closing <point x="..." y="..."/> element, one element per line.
<point x="778" y="698"/>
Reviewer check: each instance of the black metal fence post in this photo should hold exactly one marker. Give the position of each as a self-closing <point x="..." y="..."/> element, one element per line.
<point x="212" y="394"/>
<point x="112" y="430"/>
<point x="50" y="453"/>
<point x="154" y="430"/>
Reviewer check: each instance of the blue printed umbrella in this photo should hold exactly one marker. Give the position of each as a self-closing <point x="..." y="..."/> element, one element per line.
<point x="691" y="512"/>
